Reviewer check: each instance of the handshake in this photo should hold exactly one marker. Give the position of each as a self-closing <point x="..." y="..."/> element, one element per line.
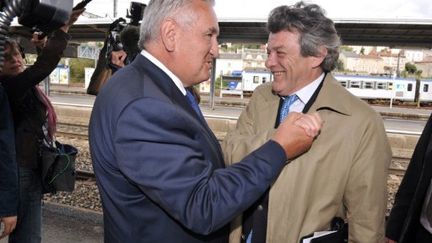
<point x="297" y="132"/>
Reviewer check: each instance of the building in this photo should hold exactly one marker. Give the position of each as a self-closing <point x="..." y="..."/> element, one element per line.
<point x="368" y="64"/>
<point x="227" y="63"/>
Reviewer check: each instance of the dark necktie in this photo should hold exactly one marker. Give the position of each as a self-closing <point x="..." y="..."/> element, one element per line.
<point x="192" y="101"/>
<point x="288" y="101"/>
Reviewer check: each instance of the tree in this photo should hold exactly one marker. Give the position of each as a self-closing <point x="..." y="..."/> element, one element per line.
<point x="339" y="65"/>
<point x="77" y="66"/>
<point x="346" y="48"/>
<point x="410" y="68"/>
<point x="418" y="74"/>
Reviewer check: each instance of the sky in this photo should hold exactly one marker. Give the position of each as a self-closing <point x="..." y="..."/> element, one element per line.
<point x="259" y="9"/>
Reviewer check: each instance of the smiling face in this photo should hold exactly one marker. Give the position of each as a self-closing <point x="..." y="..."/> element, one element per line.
<point x="13" y="61"/>
<point x="196" y="44"/>
<point x="290" y="69"/>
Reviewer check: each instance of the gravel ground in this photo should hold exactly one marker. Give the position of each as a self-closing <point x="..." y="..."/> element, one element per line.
<point x="86" y="194"/>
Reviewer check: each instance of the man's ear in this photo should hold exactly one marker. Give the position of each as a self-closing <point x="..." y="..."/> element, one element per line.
<point x="168" y="31"/>
<point x="317" y="60"/>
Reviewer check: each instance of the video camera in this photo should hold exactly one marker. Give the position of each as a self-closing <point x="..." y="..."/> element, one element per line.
<point x="117" y="41"/>
<point x="46" y="15"/>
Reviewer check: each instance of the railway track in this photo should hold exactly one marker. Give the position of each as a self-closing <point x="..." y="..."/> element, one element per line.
<point x="83" y="175"/>
<point x="80" y="131"/>
<point x="88" y="175"/>
<point x="73" y="130"/>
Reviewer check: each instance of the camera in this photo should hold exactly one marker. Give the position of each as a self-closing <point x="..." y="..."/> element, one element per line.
<point x="121" y="35"/>
<point x="45" y="15"/>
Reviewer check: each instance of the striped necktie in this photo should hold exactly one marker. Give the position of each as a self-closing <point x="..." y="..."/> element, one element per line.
<point x="288" y="101"/>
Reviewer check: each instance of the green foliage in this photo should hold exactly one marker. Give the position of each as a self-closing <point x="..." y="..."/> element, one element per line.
<point x="346" y="48"/>
<point x="339" y="65"/>
<point x="410" y="68"/>
<point x="418" y="74"/>
<point x="77" y="66"/>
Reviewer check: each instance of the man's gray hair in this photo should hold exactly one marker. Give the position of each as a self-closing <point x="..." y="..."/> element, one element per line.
<point x="158" y="10"/>
<point x="314" y="27"/>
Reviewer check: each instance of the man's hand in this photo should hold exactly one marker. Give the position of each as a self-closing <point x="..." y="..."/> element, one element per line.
<point x="118" y="57"/>
<point x="387" y="240"/>
<point x="9" y="225"/>
<point x="39" y="43"/>
<point x="296" y="133"/>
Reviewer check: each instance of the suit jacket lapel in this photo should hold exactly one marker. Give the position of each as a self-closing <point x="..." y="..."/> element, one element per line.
<point x="167" y="86"/>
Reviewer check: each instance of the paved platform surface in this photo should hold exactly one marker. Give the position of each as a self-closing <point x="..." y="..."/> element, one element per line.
<point x="63" y="224"/>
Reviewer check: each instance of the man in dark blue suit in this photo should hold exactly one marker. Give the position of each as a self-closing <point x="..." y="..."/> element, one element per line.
<point x="158" y="166"/>
<point x="410" y="219"/>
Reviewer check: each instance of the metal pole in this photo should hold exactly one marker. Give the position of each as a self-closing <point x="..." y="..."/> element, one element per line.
<point x="47" y="85"/>
<point x="397" y="66"/>
<point x="115" y="8"/>
<point x="212" y="85"/>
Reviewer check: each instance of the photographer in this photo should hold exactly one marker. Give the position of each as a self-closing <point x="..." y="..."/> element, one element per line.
<point x="35" y="122"/>
<point x="120" y="48"/>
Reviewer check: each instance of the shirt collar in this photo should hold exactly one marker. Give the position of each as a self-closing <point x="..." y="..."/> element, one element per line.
<point x="306" y="92"/>
<point x="160" y="65"/>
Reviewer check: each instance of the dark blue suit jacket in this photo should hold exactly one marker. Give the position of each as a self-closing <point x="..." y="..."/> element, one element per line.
<point x="404" y="220"/>
<point x="159" y="168"/>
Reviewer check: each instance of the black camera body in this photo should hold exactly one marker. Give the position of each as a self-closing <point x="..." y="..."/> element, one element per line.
<point x="136" y="12"/>
<point x="45" y="15"/>
<point x="121" y="35"/>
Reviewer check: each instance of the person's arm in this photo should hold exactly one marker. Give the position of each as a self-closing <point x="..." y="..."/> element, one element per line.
<point x="8" y="169"/>
<point x="159" y="151"/>
<point x="244" y="139"/>
<point x="365" y="196"/>
<point x="46" y="61"/>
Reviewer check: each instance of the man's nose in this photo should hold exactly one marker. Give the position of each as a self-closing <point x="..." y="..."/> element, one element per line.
<point x="214" y="51"/>
<point x="270" y="61"/>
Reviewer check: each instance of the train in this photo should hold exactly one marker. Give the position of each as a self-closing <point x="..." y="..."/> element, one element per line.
<point x="379" y="87"/>
<point x="362" y="86"/>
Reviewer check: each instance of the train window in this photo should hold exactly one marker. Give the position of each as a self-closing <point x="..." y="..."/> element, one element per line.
<point x="255" y="79"/>
<point x="343" y="83"/>
<point x="355" y="84"/>
<point x="426" y="88"/>
<point x="390" y="86"/>
<point x="409" y="88"/>
<point x="368" y="85"/>
<point x="381" y="85"/>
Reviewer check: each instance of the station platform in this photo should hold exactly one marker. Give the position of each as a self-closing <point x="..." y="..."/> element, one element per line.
<point x="236" y="101"/>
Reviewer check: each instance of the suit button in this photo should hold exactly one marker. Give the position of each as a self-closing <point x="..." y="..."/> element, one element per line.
<point x="260" y="207"/>
<point x="243" y="237"/>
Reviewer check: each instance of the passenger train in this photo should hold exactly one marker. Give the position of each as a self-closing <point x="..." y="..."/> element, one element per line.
<point x="371" y="87"/>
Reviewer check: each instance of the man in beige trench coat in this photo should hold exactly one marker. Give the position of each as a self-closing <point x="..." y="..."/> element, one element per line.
<point x="344" y="174"/>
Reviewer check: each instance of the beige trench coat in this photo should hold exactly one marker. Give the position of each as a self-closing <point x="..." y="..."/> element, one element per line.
<point x="343" y="174"/>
